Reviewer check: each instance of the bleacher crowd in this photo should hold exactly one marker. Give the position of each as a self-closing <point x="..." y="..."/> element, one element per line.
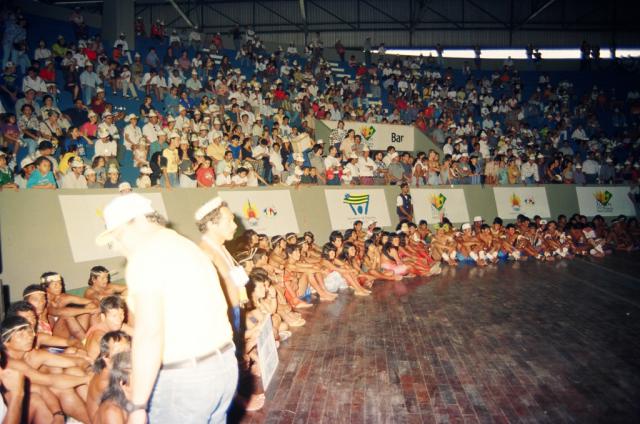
<point x="188" y="112"/>
<point x="191" y="113"/>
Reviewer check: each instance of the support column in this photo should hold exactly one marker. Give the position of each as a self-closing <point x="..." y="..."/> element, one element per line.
<point x="118" y="16"/>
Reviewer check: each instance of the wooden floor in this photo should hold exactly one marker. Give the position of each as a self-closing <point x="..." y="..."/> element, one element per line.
<point x="517" y="342"/>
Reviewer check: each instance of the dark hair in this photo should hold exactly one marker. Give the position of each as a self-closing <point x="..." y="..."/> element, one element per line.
<point x="403" y="185"/>
<point x="291" y="248"/>
<point x="335" y="235"/>
<point x="328" y="247"/>
<point x="118" y="375"/>
<point x="32" y="288"/>
<point x="347" y="234"/>
<point x="20" y="306"/>
<point x="259" y="254"/>
<point x="112" y="336"/>
<point x="111" y="302"/>
<point x="9" y="324"/>
<point x="356" y="222"/>
<point x="98" y="269"/>
<point x="497" y="220"/>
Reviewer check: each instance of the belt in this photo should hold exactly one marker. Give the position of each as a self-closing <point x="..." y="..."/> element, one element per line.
<point x="193" y="362"/>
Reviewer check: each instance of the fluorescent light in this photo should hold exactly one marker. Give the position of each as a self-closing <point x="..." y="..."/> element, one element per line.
<point x="516" y="54"/>
<point x="627" y="52"/>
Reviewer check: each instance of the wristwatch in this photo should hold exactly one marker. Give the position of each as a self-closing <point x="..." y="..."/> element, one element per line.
<point x="132" y="407"/>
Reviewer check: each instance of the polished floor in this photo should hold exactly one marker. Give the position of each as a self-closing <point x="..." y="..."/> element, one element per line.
<point x="518" y="342"/>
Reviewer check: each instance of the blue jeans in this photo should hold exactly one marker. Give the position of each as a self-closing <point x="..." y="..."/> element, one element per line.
<point x="173" y="180"/>
<point x="87" y="93"/>
<point x="201" y="394"/>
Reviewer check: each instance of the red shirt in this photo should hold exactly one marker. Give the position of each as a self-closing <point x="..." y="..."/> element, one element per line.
<point x="205" y="176"/>
<point x="92" y="55"/>
<point x="47" y="75"/>
<point x="280" y="94"/>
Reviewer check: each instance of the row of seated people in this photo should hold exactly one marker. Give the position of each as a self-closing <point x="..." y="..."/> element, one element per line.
<point x="67" y="345"/>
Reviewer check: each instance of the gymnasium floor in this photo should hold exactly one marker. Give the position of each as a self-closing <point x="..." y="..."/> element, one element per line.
<point x="518" y="342"/>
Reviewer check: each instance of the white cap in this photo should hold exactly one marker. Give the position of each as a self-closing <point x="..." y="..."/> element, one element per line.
<point x="100" y="90"/>
<point x="543" y="222"/>
<point x="365" y="149"/>
<point x="477" y="218"/>
<point x="113" y="170"/>
<point x="298" y="171"/>
<point x="320" y="141"/>
<point x="466" y="226"/>
<point x="152" y="113"/>
<point x="106" y="114"/>
<point x="28" y="160"/>
<point x="353" y="156"/>
<point x="208" y="207"/>
<point x="120" y="211"/>
<point x="170" y="118"/>
<point x="89" y="171"/>
<point x="173" y="135"/>
<point x="146" y="170"/>
<point x="2" y="153"/>
<point x="298" y="157"/>
<point x="124" y="186"/>
<point x="130" y="117"/>
<point x="103" y="133"/>
<point x="77" y="163"/>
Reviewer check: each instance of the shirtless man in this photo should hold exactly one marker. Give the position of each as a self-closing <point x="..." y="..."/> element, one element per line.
<point x="26" y="310"/>
<point x="469" y="245"/>
<point x="69" y="316"/>
<point x="111" y="344"/>
<point x="112" y="316"/>
<point x="18" y="341"/>
<point x="36" y="296"/>
<point x="444" y="246"/>
<point x="100" y="285"/>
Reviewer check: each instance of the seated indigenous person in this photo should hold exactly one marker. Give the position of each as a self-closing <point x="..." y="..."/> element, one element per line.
<point x="443" y="245"/>
<point x="469" y="247"/>
<point x="100" y="285"/>
<point x="298" y="277"/>
<point x="69" y="316"/>
<point x="111" y="344"/>
<point x="112" y="317"/>
<point x="63" y="391"/>
<point x="371" y="263"/>
<point x="26" y="310"/>
<point x="36" y="296"/>
<point x="331" y="264"/>
<point x="117" y="396"/>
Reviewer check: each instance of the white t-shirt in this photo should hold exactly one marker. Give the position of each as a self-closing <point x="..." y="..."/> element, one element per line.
<point x="71" y="181"/>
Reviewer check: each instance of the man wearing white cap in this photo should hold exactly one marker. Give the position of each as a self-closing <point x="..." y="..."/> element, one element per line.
<point x="529" y="171"/>
<point x="132" y="132"/>
<point x="216" y="222"/>
<point x="104" y="146"/>
<point x="366" y="167"/>
<point x="183" y="363"/>
<point x="75" y="178"/>
<point x="107" y="124"/>
<point x="151" y="128"/>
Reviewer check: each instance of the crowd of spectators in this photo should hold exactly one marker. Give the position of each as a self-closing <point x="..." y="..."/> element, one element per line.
<point x="189" y="112"/>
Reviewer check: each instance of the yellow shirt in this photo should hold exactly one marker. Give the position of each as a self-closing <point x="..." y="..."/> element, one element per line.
<point x="172" y="160"/>
<point x="216" y="151"/>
